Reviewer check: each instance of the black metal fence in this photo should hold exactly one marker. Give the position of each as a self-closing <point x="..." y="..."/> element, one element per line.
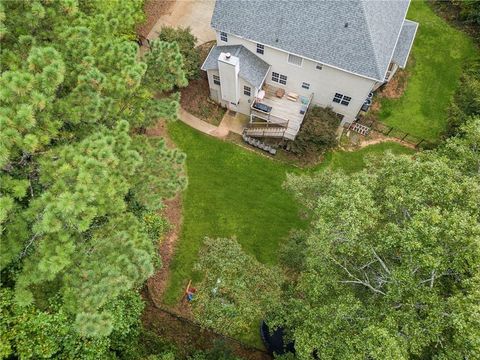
<point x="387" y="130"/>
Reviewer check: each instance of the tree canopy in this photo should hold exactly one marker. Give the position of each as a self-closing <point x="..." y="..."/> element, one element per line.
<point x="392" y="259"/>
<point x="78" y="180"/>
<point x="318" y="132"/>
<point x="236" y="291"/>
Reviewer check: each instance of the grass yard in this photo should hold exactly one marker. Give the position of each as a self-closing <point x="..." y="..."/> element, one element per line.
<point x="351" y="161"/>
<point x="231" y="192"/>
<point x="439" y="54"/>
<point x="236" y="192"/>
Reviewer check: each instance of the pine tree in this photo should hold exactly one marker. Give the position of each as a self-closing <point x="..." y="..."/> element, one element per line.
<point x="164" y="61"/>
<point x="73" y="176"/>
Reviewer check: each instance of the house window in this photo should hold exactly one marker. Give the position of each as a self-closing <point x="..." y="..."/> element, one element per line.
<point x="295" y="60"/>
<point x="247" y="90"/>
<point x="260" y="49"/>
<point x="346" y="100"/>
<point x="223" y="36"/>
<point x="342" y="99"/>
<point x="305" y="85"/>
<point x="216" y="79"/>
<point x="318" y="66"/>
<point x="282" y="79"/>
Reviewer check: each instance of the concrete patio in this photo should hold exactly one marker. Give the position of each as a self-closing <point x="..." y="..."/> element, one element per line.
<point x="234" y="122"/>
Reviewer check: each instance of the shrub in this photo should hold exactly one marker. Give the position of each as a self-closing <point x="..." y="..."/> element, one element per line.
<point x="236" y="290"/>
<point x="186" y="42"/>
<point x="318" y="132"/>
<point x="469" y="11"/>
<point x="466" y="101"/>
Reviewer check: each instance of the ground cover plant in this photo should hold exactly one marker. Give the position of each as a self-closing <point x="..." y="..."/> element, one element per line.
<point x="439" y="55"/>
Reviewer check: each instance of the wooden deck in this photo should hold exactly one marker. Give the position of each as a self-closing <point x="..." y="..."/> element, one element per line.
<point x="284" y="111"/>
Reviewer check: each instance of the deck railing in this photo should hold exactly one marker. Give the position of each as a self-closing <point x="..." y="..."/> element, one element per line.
<point x="270" y="120"/>
<point x="268" y="117"/>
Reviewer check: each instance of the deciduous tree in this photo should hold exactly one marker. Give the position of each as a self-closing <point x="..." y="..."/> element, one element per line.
<point x="236" y="291"/>
<point x="392" y="262"/>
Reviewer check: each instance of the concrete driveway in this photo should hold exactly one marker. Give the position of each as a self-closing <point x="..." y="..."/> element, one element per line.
<point x="194" y="13"/>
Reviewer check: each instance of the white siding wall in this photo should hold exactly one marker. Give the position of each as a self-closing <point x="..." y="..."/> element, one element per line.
<point x="323" y="83"/>
<point x="244" y="102"/>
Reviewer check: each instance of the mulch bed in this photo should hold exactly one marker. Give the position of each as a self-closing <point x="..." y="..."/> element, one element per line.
<point x="195" y="98"/>
<point x="395" y="88"/>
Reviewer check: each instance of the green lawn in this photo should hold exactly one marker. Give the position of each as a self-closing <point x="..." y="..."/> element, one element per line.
<point x="231" y="192"/>
<point x="355" y="161"/>
<point x="439" y="53"/>
<point x="236" y="192"/>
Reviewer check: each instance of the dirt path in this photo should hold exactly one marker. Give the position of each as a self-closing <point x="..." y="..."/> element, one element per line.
<point x="379" y="140"/>
<point x="375" y="138"/>
<point x="172" y="211"/>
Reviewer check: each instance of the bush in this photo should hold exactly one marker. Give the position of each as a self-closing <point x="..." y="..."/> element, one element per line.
<point x="318" y="132"/>
<point x="186" y="42"/>
<point x="293" y="251"/>
<point x="469" y="10"/>
<point x="466" y="101"/>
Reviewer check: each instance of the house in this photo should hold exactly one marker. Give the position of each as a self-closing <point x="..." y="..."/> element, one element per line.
<point x="274" y="58"/>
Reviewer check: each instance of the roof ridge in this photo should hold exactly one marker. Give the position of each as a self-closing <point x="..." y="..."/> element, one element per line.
<point x="369" y="32"/>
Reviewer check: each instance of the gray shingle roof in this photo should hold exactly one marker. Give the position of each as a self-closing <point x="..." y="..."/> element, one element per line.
<point x="405" y="42"/>
<point x="358" y="36"/>
<point x="252" y="68"/>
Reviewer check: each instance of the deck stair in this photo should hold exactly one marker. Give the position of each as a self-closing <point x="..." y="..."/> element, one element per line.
<point x="274" y="132"/>
<point x="258" y="144"/>
<point x="359" y="128"/>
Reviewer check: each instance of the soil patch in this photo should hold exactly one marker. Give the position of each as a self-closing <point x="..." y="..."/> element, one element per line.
<point x="356" y="141"/>
<point x="153" y="9"/>
<point x="395" y="88"/>
<point x="195" y="98"/>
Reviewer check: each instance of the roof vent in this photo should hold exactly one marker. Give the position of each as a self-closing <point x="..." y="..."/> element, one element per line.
<point x="346" y="24"/>
<point x="228" y="55"/>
